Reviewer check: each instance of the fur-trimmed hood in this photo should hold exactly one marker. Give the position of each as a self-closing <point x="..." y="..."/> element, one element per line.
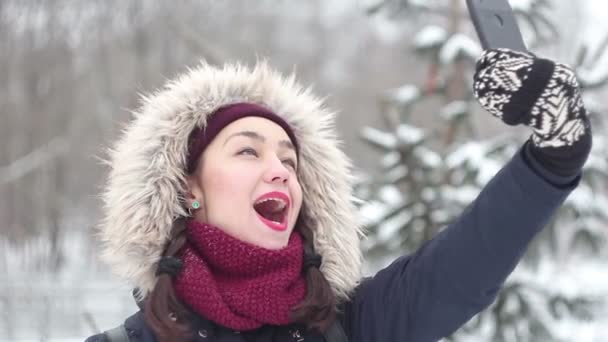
<point x="146" y="185"/>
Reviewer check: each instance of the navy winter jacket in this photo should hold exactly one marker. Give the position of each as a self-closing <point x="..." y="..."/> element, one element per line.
<point x="426" y="296"/>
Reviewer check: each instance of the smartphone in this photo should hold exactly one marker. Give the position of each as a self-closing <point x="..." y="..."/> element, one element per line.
<point x="495" y="24"/>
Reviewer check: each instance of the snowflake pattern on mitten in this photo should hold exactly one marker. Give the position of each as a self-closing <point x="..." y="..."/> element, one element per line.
<point x="520" y="88"/>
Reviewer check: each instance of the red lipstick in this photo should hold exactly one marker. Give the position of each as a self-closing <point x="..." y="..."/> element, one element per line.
<point x="279" y="196"/>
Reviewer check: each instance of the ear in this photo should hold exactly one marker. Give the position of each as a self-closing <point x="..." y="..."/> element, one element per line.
<point x="194" y="191"/>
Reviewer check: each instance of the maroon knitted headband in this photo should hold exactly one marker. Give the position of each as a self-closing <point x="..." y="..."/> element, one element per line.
<point x="222" y="117"/>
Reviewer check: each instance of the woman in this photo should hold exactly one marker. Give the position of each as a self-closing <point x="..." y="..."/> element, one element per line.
<point x="228" y="207"/>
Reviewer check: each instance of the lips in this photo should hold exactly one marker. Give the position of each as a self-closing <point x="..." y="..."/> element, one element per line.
<point x="272" y="209"/>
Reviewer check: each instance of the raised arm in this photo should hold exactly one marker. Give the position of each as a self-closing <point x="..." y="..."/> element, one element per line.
<point x="430" y="294"/>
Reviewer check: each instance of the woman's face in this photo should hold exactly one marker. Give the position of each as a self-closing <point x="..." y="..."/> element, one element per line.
<point x="246" y="182"/>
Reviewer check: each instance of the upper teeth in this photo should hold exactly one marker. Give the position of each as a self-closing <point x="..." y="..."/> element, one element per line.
<point x="282" y="203"/>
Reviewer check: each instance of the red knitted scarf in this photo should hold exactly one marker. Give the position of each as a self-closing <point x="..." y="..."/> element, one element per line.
<point x="236" y="284"/>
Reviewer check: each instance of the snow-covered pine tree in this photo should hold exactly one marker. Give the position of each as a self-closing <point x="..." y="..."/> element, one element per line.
<point x="428" y="175"/>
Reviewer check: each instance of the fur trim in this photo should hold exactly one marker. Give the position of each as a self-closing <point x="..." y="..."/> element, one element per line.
<point x="144" y="192"/>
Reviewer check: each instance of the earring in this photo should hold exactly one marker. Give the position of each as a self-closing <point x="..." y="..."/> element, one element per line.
<point x="195" y="205"/>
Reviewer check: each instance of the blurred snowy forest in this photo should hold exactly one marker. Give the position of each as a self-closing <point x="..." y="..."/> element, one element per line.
<point x="73" y="69"/>
<point x="428" y="174"/>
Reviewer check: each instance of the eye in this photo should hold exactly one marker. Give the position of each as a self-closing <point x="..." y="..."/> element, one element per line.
<point x="249" y="151"/>
<point x="291" y="162"/>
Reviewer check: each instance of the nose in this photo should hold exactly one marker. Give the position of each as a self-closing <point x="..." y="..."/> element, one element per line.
<point x="276" y="171"/>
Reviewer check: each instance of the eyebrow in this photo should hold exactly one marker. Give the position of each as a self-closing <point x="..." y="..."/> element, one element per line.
<point x="258" y="137"/>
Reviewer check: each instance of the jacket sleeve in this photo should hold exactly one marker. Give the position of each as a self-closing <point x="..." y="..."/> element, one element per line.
<point x="97" y="338"/>
<point x="428" y="295"/>
<point x="136" y="330"/>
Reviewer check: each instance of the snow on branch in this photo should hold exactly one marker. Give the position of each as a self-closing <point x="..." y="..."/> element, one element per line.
<point x="379" y="138"/>
<point x="592" y="71"/>
<point x="33" y="160"/>
<point x="459" y="46"/>
<point x="429" y="37"/>
<point x="404" y="95"/>
<point x="454" y="110"/>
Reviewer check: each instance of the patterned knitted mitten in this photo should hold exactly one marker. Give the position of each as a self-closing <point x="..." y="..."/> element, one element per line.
<point x="520" y="88"/>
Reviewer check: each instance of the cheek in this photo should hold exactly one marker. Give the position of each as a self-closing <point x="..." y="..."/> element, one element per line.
<point x="220" y="183"/>
<point x="227" y="187"/>
<point x="297" y="197"/>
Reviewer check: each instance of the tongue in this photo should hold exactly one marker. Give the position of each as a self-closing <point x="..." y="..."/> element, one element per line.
<point x="270" y="210"/>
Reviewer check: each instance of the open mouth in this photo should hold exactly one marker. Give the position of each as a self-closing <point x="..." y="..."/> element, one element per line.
<point x="272" y="209"/>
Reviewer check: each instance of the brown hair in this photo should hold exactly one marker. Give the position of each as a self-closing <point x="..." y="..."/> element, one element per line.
<point x="318" y="309"/>
<point x="169" y="318"/>
<point x="163" y="312"/>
